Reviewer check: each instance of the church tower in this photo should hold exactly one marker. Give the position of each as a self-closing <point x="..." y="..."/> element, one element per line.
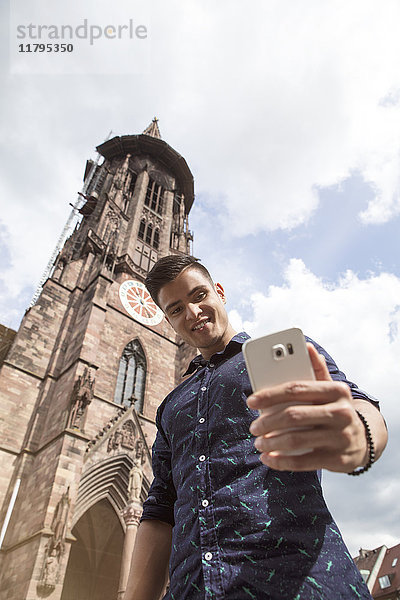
<point x="80" y="386"/>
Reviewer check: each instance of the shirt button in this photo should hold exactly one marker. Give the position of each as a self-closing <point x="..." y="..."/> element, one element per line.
<point x="203" y="389"/>
<point x="205" y="503"/>
<point x="202" y="420"/>
<point x="211" y="365"/>
<point x="208" y="555"/>
<point x="202" y="458"/>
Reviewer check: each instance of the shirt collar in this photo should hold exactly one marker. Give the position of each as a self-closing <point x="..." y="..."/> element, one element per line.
<point x="232" y="348"/>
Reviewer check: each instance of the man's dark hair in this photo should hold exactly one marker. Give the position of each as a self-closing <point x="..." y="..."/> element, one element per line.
<point x="168" y="268"/>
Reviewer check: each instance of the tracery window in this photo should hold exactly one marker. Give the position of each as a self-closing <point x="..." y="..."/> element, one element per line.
<point x="156" y="239"/>
<point x="131" y="377"/>
<point x="126" y="204"/>
<point x="149" y="233"/>
<point x="178" y="200"/>
<point x="142" y="227"/>
<point x="155" y="197"/>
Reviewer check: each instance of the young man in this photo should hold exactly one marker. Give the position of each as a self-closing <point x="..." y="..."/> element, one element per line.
<point x="235" y="523"/>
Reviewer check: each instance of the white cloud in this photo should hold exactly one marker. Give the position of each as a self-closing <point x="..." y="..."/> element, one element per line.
<point x="365" y="518"/>
<point x="302" y="95"/>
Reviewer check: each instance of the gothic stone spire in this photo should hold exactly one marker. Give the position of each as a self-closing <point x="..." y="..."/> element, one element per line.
<point x="153" y="129"/>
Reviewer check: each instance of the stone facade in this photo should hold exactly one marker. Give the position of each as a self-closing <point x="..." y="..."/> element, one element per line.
<point x="7" y="336"/>
<point x="75" y="458"/>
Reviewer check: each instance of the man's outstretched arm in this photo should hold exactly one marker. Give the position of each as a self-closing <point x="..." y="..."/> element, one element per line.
<point x="319" y="415"/>
<point x="149" y="567"/>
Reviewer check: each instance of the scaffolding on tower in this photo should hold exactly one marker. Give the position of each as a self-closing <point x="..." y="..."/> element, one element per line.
<point x="80" y="201"/>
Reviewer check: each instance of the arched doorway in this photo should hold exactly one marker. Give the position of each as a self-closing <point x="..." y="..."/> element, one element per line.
<point x="95" y="558"/>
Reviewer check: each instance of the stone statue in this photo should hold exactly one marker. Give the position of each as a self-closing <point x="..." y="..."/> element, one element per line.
<point x="82" y="395"/>
<point x="62" y="259"/>
<point x="135" y="482"/>
<point x="55" y="546"/>
<point x="115" y="441"/>
<point x="60" y="520"/>
<point x="50" y="571"/>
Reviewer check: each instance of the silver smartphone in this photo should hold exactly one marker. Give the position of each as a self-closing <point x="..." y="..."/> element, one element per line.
<point x="277" y="358"/>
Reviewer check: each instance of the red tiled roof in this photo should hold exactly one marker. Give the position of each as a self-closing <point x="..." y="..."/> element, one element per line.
<point x="367" y="559"/>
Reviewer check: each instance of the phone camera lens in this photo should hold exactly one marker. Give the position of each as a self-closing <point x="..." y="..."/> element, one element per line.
<point x="279" y="352"/>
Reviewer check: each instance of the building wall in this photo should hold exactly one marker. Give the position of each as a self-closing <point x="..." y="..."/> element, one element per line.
<point x="7" y="336"/>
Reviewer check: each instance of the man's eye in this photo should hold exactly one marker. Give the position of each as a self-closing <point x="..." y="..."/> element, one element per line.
<point x="176" y="310"/>
<point x="201" y="295"/>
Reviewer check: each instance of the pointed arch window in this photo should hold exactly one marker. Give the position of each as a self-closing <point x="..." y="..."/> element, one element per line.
<point x="131" y="377"/>
<point x="149" y="233"/>
<point x="142" y="227"/>
<point x="156" y="239"/>
<point x="160" y="204"/>
<point x="126" y="205"/>
<point x="177" y="203"/>
<point x="154" y="197"/>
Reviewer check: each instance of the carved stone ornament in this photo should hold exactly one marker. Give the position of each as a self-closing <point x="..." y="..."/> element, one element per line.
<point x="140" y="454"/>
<point x="132" y="514"/>
<point x="93" y="243"/>
<point x="55" y="547"/>
<point x="123" y="437"/>
<point x="121" y="173"/>
<point x="49" y="577"/>
<point x="82" y="395"/>
<point x="63" y="258"/>
<point x="93" y="442"/>
<point x="113" y="218"/>
<point x="151" y="217"/>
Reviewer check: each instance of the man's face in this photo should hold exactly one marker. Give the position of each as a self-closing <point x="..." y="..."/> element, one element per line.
<point x="196" y="311"/>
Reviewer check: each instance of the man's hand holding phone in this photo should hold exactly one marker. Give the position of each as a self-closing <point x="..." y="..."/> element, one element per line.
<point x="309" y="424"/>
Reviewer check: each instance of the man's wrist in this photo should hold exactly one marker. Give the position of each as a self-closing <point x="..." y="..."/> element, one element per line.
<point x="370" y="447"/>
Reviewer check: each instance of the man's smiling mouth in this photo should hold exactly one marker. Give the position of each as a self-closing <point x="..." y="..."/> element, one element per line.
<point x="200" y="325"/>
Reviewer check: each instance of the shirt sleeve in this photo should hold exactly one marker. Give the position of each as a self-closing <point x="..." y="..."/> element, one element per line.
<point x="338" y="375"/>
<point x="162" y="495"/>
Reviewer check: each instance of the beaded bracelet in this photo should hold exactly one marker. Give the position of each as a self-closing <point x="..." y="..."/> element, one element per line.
<point x="371" y="447"/>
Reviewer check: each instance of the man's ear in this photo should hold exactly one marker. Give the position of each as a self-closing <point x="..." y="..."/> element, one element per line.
<point x="220" y="291"/>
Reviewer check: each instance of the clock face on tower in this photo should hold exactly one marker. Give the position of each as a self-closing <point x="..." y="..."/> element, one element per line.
<point x="139" y="304"/>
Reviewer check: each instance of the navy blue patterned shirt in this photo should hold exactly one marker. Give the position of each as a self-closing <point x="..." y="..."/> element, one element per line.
<point x="240" y="529"/>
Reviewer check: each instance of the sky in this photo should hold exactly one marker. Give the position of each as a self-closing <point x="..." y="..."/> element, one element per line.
<point x="288" y="114"/>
